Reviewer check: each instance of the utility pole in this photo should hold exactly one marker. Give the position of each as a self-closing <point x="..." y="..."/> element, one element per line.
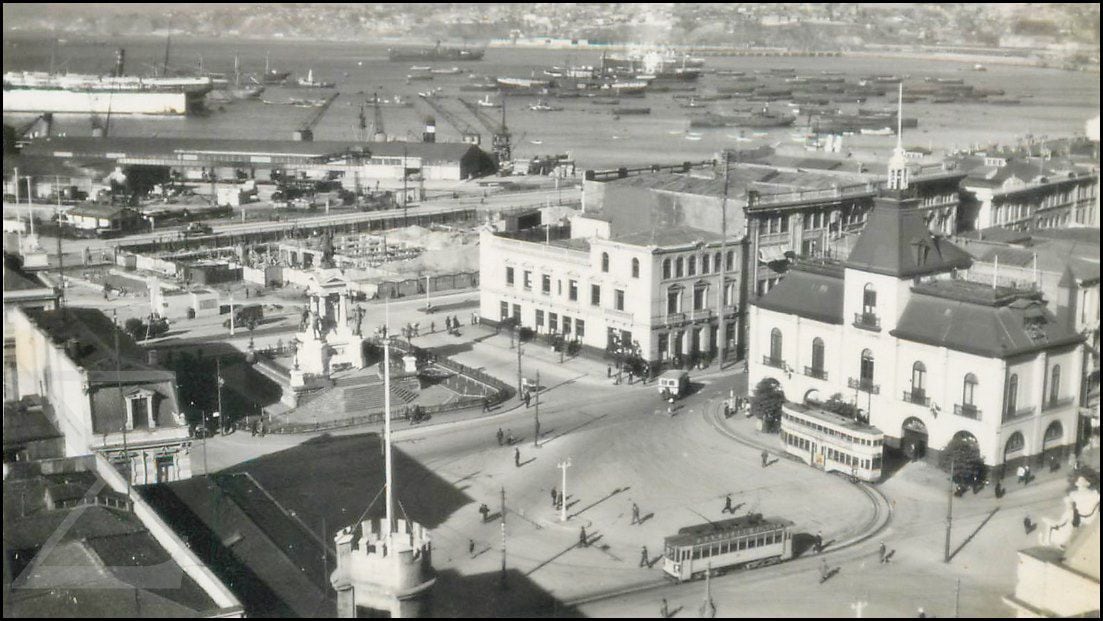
<point x="119" y="387"/>
<point x="218" y="375"/>
<point x="60" y="257"/>
<point x="520" y="386"/>
<point x="502" y="577"/>
<point x="949" y="513"/>
<point x="536" y="436"/>
<point x="563" y="465"/>
<point x="721" y="328"/>
<point x="231" y="315"/>
<point x="957" y="598"/>
<point x="428" y="305"/>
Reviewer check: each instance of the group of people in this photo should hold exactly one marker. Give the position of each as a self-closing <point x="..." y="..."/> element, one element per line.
<point x="452" y="325"/>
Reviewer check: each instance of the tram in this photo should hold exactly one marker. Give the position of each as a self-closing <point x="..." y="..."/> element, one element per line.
<point x="748" y="541"/>
<point x="830" y="442"/>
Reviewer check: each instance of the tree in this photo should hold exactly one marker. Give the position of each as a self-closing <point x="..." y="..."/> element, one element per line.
<point x="135" y="327"/>
<point x="158" y="326"/>
<point x="766" y="403"/>
<point x="838" y="405"/>
<point x="963" y="452"/>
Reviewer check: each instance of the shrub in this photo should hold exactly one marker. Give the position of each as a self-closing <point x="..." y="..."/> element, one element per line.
<point x="964" y="455"/>
<point x="136" y="328"/>
<point x="766" y="403"/>
<point x="573" y="348"/>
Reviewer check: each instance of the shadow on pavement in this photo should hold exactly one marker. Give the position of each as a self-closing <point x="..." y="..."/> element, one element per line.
<point x="451" y="350"/>
<point x="482" y="596"/>
<point x="972" y="534"/>
<point x="802" y="542"/>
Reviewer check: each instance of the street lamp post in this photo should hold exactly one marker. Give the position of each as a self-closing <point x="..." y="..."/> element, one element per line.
<point x="563" y="465"/>
<point x="520" y="385"/>
<point x="949" y="513"/>
<point x="536" y="435"/>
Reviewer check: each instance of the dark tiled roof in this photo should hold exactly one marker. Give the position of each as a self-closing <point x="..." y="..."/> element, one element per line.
<point x="15" y="279"/>
<point x="962" y="317"/>
<point x="896" y="242"/>
<point x="813" y="293"/>
<point x="669" y="236"/>
<point x="26" y="424"/>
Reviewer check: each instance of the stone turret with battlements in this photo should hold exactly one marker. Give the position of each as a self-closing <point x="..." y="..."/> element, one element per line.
<point x="380" y="571"/>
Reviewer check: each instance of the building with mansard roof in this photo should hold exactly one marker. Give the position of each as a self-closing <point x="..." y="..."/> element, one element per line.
<point x="926" y="356"/>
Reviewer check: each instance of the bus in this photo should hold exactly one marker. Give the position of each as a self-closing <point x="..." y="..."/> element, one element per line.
<point x="832" y="443"/>
<point x="748" y="541"/>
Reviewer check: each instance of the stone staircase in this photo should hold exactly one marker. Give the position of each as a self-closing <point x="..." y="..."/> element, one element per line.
<point x="355" y="396"/>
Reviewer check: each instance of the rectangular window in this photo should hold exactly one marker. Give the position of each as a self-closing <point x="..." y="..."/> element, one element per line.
<point x="528" y="279"/>
<point x="595" y="295"/>
<point x="784" y="224"/>
<point x="579" y="328"/>
<point x="553" y="322"/>
<point x="539" y="319"/>
<point x="566" y="324"/>
<point x="517" y="313"/>
<point x="619" y="299"/>
<point x="509" y="276"/>
<point x="545" y="283"/>
<point x="572" y="290"/>
<point x="504" y="310"/>
<point x="699" y="298"/>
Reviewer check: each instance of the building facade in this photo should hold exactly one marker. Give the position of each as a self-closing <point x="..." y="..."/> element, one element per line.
<point x="928" y="358"/>
<point x="1024" y="195"/>
<point x="116" y="405"/>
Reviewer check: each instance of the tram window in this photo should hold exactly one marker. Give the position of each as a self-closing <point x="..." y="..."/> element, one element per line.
<point x="696" y="553"/>
<point x="742" y="544"/>
<point x="876" y="461"/>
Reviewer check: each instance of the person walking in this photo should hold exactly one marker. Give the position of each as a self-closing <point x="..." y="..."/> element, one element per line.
<point x="1026" y="475"/>
<point x="824" y="571"/>
<point x="664" y="610"/>
<point x="670" y="407"/>
<point x="501" y="435"/>
<point x="471" y="547"/>
<point x="1021" y="471"/>
<point x="645" y="561"/>
<point x="582" y="539"/>
<point x="765" y="458"/>
<point x="528" y="399"/>
<point x="728" y="505"/>
<point x="484" y="510"/>
<point x="517" y="457"/>
<point x="819" y="541"/>
<point x="554" y="496"/>
<point x="882" y="551"/>
<point x="1027" y="525"/>
<point x="635" y="513"/>
<point x="432" y="327"/>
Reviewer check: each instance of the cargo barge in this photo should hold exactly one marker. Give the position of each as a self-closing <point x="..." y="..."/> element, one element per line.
<point x="91" y="94"/>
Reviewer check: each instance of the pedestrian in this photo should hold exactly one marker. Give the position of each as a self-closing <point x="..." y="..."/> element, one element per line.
<point x="582" y="538"/>
<point x="517" y="457"/>
<point x="727" y="410"/>
<point x="500" y="436"/>
<point x="447" y="324"/>
<point x="765" y="458"/>
<point x="432" y="327"/>
<point x="528" y="398"/>
<point x="486" y="404"/>
<point x="823" y="570"/>
<point x="608" y="371"/>
<point x="1021" y="471"/>
<point x="644" y="560"/>
<point x="664" y="610"/>
<point x="819" y="541"/>
<point x="635" y="513"/>
<point x="554" y="496"/>
<point x="484" y="510"/>
<point x="253" y="429"/>
<point x="882" y="551"/>
<point x="1027" y="526"/>
<point x="1027" y="476"/>
<point x="471" y="547"/>
<point x="559" y="502"/>
<point x="630" y="377"/>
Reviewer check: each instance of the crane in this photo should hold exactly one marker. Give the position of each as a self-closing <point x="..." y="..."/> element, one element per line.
<point x="305" y="132"/>
<point x="467" y="133"/>
<point x="500" y="132"/>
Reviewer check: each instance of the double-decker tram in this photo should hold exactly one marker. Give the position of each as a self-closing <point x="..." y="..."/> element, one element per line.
<point x="748" y="541"/>
<point x="831" y="442"/>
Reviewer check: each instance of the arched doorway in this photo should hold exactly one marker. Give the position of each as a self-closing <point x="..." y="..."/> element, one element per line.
<point x="1013" y="449"/>
<point x="913" y="438"/>
<point x="1052" y="442"/>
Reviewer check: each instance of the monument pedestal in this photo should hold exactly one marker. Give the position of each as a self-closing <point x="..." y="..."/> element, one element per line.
<point x="314" y="354"/>
<point x="347" y="347"/>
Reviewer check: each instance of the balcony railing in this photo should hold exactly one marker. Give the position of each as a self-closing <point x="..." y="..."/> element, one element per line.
<point x="777" y="363"/>
<point x="867" y="321"/>
<point x="1053" y="404"/>
<point x="968" y="411"/>
<point x="918" y="397"/>
<point x="864" y="385"/>
<point x="816" y="373"/>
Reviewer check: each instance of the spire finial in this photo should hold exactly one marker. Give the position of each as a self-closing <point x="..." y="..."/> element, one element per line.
<point x="900" y="118"/>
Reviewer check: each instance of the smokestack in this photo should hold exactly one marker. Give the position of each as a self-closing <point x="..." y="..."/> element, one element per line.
<point x="120" y="62"/>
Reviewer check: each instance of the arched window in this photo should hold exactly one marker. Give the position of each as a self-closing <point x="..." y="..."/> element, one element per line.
<point x="919" y="380"/>
<point x="635" y="268"/>
<point x="1012" y="394"/>
<point x="605" y="261"/>
<point x="968" y="390"/>
<point x="867" y="366"/>
<point x="775" y="345"/>
<point x="1014" y="443"/>
<point x="674" y="299"/>
<point x="817" y="355"/>
<point x="869" y="299"/>
<point x="1054" y="383"/>
<point x="705" y="264"/>
<point x="730" y="260"/>
<point x="666" y="268"/>
<point x="692" y="270"/>
<point x="679" y="265"/>
<point x="1053" y="433"/>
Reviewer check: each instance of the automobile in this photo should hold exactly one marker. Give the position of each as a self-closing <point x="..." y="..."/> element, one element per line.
<point x="674" y="383"/>
<point x="198" y="228"/>
<point x="244" y="315"/>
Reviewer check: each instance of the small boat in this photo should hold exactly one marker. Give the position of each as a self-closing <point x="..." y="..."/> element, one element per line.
<point x="620" y="111"/>
<point x="542" y="106"/>
<point x="536" y="141"/>
<point x="310" y="82"/>
<point x="883" y="131"/>
<point x="432" y="93"/>
<point x="693" y="137"/>
<point x="486" y="103"/>
<point x="418" y="76"/>
<point x="979" y="67"/>
<point x="420" y="68"/>
<point x="452" y="71"/>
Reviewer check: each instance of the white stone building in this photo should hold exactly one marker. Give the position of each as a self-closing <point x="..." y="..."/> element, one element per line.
<point x="927" y="357"/>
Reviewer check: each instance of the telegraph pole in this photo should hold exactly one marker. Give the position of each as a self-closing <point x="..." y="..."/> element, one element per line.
<point x="60" y="257"/>
<point x="949" y="514"/>
<point x="119" y="387"/>
<point x="563" y="465"/>
<point x="536" y="436"/>
<point x="519" y="383"/>
<point x="721" y="328"/>
<point x="218" y="375"/>
<point x="502" y="577"/>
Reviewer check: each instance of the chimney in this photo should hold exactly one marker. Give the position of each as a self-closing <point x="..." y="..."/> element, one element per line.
<point x="72" y="348"/>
